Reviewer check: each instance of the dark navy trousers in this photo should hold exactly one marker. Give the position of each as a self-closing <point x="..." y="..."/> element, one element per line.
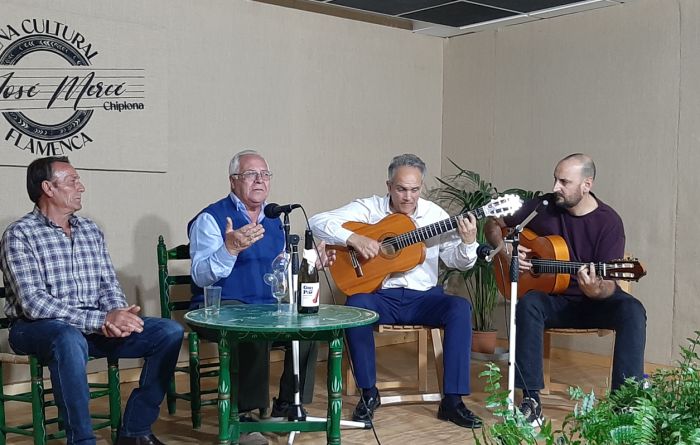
<point x="404" y="306"/>
<point x="621" y="312"/>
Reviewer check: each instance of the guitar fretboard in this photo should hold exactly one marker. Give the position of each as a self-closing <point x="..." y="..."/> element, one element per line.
<point x="426" y="232"/>
<point x="566" y="267"/>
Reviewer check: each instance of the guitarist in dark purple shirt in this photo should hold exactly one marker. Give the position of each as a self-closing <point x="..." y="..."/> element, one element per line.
<point x="593" y="232"/>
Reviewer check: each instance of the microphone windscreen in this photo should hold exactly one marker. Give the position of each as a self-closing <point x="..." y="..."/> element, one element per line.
<point x="272" y="210"/>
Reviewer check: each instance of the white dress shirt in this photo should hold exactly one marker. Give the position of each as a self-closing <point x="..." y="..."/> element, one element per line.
<point x="448" y="246"/>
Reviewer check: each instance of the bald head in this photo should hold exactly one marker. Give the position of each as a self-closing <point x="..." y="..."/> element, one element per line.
<point x="573" y="180"/>
<point x="583" y="161"/>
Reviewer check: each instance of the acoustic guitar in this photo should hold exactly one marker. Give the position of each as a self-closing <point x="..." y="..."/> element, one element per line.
<point x="551" y="269"/>
<point x="402" y="247"/>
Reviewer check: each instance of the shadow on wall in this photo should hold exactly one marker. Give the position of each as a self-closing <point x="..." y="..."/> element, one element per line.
<point x="139" y="279"/>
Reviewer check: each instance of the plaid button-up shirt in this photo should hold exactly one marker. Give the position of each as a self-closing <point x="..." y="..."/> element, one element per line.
<point x="49" y="275"/>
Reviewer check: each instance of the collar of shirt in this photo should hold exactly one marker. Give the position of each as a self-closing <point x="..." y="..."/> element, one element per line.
<point x="241" y="207"/>
<point x="74" y="221"/>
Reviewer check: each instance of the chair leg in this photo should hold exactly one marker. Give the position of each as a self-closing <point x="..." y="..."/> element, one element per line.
<point x="547" y="363"/>
<point x="3" y="422"/>
<point x="612" y="356"/>
<point x="115" y="398"/>
<point x="38" y="415"/>
<point x="436" y="335"/>
<point x="170" y="396"/>
<point x="422" y="360"/>
<point x="195" y="381"/>
<point x="350" y="387"/>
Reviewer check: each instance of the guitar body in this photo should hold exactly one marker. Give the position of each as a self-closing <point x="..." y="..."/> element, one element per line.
<point x="375" y="270"/>
<point x="546" y="247"/>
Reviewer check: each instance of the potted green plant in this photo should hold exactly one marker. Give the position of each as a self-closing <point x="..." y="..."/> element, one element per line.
<point x="662" y="410"/>
<point x="467" y="190"/>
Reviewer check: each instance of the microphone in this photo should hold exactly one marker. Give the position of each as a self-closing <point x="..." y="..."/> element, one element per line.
<point x="487" y="253"/>
<point x="483" y="251"/>
<point x="274" y="210"/>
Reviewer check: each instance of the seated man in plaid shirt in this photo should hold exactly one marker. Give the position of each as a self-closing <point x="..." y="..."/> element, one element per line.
<point x="65" y="304"/>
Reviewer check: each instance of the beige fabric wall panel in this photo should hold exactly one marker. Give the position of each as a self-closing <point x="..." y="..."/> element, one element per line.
<point x="686" y="307"/>
<point x="604" y="82"/>
<point x="469" y="103"/>
<point x="328" y="101"/>
<point x="84" y="86"/>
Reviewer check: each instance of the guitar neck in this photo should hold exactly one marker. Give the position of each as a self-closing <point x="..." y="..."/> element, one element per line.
<point x="431" y="230"/>
<point x="566" y="267"/>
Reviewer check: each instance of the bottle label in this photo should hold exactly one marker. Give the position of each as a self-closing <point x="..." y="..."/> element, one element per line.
<point x="310" y="293"/>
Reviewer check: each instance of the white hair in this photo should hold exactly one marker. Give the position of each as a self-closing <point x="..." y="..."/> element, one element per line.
<point x="234" y="165"/>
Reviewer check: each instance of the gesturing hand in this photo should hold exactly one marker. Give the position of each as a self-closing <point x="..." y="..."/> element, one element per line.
<point x="239" y="240"/>
<point x="121" y="322"/>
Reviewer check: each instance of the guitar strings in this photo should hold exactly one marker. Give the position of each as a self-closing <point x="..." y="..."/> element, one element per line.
<point x="421" y="233"/>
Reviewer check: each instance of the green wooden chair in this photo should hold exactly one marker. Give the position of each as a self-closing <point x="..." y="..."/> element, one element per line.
<point x="41" y="398"/>
<point x="196" y="370"/>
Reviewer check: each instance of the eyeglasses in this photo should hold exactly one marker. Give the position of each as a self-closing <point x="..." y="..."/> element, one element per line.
<point x="252" y="175"/>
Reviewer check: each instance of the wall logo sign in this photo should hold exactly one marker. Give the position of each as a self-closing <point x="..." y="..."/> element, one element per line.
<point x="50" y="88"/>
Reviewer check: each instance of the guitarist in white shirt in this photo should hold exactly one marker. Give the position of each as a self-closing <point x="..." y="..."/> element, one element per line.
<point x="410" y="297"/>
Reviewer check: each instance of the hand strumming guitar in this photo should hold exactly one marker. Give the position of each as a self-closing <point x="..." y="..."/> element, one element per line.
<point x="367" y="247"/>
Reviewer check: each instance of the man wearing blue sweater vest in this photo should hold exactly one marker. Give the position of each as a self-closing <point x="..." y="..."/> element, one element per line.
<point x="232" y="245"/>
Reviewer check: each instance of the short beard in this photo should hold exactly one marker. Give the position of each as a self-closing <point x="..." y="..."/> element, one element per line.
<point x="561" y="202"/>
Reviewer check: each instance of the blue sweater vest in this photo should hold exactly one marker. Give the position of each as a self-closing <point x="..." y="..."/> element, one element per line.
<point x="245" y="283"/>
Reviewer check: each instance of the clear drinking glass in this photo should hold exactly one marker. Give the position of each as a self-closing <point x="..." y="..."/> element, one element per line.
<point x="212" y="300"/>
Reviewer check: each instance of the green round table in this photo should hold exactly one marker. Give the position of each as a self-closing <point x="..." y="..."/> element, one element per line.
<point x="260" y="322"/>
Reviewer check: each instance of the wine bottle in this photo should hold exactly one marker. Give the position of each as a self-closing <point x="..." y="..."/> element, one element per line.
<point x="309" y="290"/>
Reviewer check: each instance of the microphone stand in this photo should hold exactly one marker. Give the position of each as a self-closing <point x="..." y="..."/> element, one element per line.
<point x="292" y="245"/>
<point x="298" y="413"/>
<point x="291" y="248"/>
<point x="513" y="238"/>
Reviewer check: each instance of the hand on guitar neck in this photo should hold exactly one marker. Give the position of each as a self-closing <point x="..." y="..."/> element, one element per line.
<point x="466" y="228"/>
<point x="593" y="285"/>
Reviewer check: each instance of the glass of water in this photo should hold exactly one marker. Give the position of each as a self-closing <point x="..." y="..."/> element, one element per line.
<point x="212" y="301"/>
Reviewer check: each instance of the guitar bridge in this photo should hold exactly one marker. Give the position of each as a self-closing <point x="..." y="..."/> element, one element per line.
<point x="355" y="262"/>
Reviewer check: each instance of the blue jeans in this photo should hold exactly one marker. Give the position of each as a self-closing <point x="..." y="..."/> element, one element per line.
<point x="536" y="311"/>
<point x="405" y="306"/>
<point x="65" y="350"/>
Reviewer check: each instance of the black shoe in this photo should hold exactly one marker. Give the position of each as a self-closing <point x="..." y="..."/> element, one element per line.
<point x="246" y="417"/>
<point x="459" y="415"/>
<point x="364" y="411"/>
<point x="139" y="440"/>
<point x="281" y="409"/>
<point x="532" y="410"/>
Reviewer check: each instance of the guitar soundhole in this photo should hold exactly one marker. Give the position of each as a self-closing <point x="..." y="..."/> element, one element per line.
<point x="389" y="249"/>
